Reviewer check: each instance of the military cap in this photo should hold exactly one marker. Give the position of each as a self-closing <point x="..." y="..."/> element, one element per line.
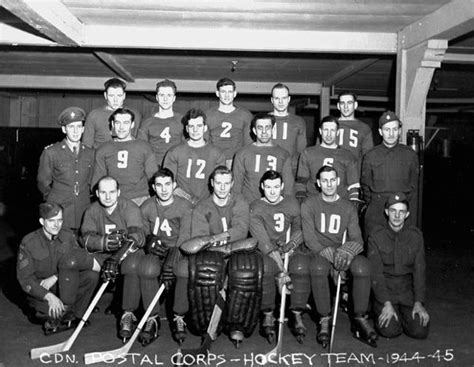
<point x="49" y="210"/>
<point x="71" y="114"/>
<point x="388" y="116"/>
<point x="398" y="197"/>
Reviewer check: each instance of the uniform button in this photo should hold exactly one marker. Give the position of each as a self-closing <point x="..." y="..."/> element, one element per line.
<point x="77" y="171"/>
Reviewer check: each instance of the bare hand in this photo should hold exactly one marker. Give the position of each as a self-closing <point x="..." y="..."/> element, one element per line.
<point x="55" y="305"/>
<point x="386" y="315"/>
<point x="49" y="282"/>
<point x="421" y="311"/>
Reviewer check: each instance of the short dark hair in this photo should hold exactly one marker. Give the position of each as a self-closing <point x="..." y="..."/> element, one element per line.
<point x="221" y="170"/>
<point x="121" y="111"/>
<point x="260" y="116"/>
<point x="329" y="118"/>
<point x="162" y="172"/>
<point x="280" y="86"/>
<point x="326" y="169"/>
<point x="270" y="175"/>
<point x="347" y="93"/>
<point x="194" y="113"/>
<point x="115" y="83"/>
<point x="223" y="82"/>
<point x="167" y="83"/>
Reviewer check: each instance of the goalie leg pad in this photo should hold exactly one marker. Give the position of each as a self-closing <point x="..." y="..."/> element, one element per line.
<point x="206" y="277"/>
<point x="167" y="273"/>
<point x="299" y="274"/>
<point x="245" y="272"/>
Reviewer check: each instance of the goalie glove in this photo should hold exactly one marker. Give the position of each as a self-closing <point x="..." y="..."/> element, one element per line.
<point x="110" y="269"/>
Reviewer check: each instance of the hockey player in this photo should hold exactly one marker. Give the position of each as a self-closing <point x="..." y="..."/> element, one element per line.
<point x="328" y="153"/>
<point x="388" y="168"/>
<point x="252" y="161"/>
<point x="290" y="130"/>
<point x="220" y="225"/>
<point x="354" y="135"/>
<point x="131" y="162"/>
<point x="331" y="231"/>
<point x="166" y="220"/>
<point x="112" y="227"/>
<point x="397" y="258"/>
<point x="65" y="169"/>
<point x="193" y="160"/>
<point x="163" y="130"/>
<point x="57" y="276"/>
<point x="270" y="219"/>
<point x="229" y="125"/>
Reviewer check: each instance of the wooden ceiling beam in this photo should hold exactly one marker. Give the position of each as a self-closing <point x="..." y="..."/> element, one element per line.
<point x="49" y="17"/>
<point x="458" y="58"/>
<point x="345" y="73"/>
<point x="450" y="21"/>
<point x="113" y="64"/>
<point x="147" y="85"/>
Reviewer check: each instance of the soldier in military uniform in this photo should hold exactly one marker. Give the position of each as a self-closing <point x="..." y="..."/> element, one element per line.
<point x="65" y="169"/>
<point x="57" y="276"/>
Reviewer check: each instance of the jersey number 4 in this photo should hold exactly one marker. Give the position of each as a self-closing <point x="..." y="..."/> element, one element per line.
<point x="165" y="134"/>
<point x="164" y="227"/>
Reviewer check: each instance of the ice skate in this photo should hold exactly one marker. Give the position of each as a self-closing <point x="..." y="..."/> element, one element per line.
<point x="237" y="337"/>
<point x="128" y="323"/>
<point x="363" y="331"/>
<point x="268" y="326"/>
<point x="299" y="330"/>
<point x="179" y="331"/>
<point x="150" y="331"/>
<point x="324" y="331"/>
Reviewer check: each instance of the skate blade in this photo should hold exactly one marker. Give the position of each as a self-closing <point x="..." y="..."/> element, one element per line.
<point x="370" y="342"/>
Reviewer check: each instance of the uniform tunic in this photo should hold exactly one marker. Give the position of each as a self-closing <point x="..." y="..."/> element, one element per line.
<point x="132" y="163"/>
<point x="162" y="134"/>
<point x="38" y="259"/>
<point x="229" y="131"/>
<point x="398" y="265"/>
<point x="384" y="172"/>
<point x="171" y="223"/>
<point x="210" y="219"/>
<point x="65" y="179"/>
<point x="97" y="126"/>
<point x="269" y="223"/>
<point x="355" y="136"/>
<point x="324" y="223"/>
<point x="252" y="161"/>
<point x="192" y="167"/>
<point x="290" y="134"/>
<point x="313" y="158"/>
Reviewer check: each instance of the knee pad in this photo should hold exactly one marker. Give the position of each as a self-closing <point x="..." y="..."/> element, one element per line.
<point x="150" y="267"/>
<point x="68" y="262"/>
<point x="319" y="266"/>
<point x="299" y="264"/>
<point x="131" y="263"/>
<point x="360" y="267"/>
<point x="270" y="267"/>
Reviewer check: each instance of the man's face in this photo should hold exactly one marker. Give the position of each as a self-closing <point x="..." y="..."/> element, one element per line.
<point x="272" y="190"/>
<point x="163" y="188"/>
<point x="52" y="225"/>
<point x="122" y="126"/>
<point x="114" y="97"/>
<point x="108" y="193"/>
<point x="226" y="94"/>
<point x="263" y="130"/>
<point x="280" y="99"/>
<point x="165" y="97"/>
<point x="328" y="182"/>
<point x="73" y="131"/>
<point x="390" y="133"/>
<point x="397" y="214"/>
<point x="196" y="128"/>
<point x="347" y="106"/>
<point x="222" y="184"/>
<point x="328" y="133"/>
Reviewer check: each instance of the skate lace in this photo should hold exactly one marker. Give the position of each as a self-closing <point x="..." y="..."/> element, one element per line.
<point x="150" y="324"/>
<point x="127" y="320"/>
<point x="180" y="323"/>
<point x="269" y="319"/>
<point x="324" y="322"/>
<point x="298" y="319"/>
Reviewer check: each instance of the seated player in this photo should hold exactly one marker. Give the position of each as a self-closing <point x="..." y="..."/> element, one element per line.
<point x="397" y="258"/>
<point x="271" y="217"/>
<point x="57" y="276"/>
<point x="331" y="231"/>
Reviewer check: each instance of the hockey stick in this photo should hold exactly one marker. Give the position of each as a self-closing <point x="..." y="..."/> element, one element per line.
<point x="211" y="332"/>
<point x="65" y="346"/>
<point x="95" y="357"/>
<point x="281" y="320"/>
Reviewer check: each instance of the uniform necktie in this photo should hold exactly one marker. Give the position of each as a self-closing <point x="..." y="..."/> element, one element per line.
<point x="75" y="151"/>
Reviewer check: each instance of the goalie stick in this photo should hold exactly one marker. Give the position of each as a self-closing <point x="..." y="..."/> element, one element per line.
<point x="95" y="357"/>
<point x="211" y="332"/>
<point x="281" y="320"/>
<point x="65" y="346"/>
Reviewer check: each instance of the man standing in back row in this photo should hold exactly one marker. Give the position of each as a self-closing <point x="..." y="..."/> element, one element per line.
<point x="290" y="130"/>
